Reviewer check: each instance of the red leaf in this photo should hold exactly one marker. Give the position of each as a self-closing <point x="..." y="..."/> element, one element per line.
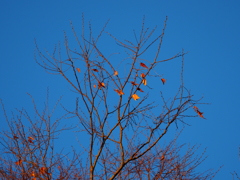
<point x="140" y="90"/>
<point x="95" y="70"/>
<point x="133" y="83"/>
<point x="18" y="162"/>
<point x="143" y="65"/>
<point x="198" y="112"/>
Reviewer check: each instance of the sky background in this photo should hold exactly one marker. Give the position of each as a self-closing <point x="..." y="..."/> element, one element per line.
<point x="208" y="30"/>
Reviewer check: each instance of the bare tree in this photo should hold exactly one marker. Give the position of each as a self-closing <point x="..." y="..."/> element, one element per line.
<point x="115" y="109"/>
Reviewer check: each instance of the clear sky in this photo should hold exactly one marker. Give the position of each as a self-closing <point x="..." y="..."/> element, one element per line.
<point x="208" y="30"/>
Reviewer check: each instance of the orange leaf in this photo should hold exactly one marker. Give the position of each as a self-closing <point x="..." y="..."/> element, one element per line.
<point x="78" y="70"/>
<point x="143" y="65"/>
<point x="144" y="81"/>
<point x="135" y="97"/>
<point x="30" y="139"/>
<point x="133" y="83"/>
<point x="120" y="92"/>
<point x="94" y="86"/>
<point x="15" y="137"/>
<point x="163" y="80"/>
<point x="115" y="73"/>
<point x="101" y="84"/>
<point x="140" y="90"/>
<point x="18" y="162"/>
<point x="143" y="75"/>
<point x="95" y="70"/>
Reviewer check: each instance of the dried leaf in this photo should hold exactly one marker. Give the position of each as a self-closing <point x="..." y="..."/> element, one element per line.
<point x="144" y="81"/>
<point x="163" y="80"/>
<point x="115" y="73"/>
<point x="15" y="137"/>
<point x="95" y="70"/>
<point x="78" y="70"/>
<point x="120" y="92"/>
<point x="143" y="75"/>
<point x="143" y="65"/>
<point x="140" y="90"/>
<point x="133" y="83"/>
<point x="135" y="97"/>
<point x="100" y="85"/>
<point x="94" y="86"/>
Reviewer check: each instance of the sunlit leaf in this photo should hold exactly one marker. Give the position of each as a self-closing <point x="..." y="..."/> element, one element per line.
<point x="78" y="70"/>
<point x="143" y="65"/>
<point x="94" y="86"/>
<point x="133" y="83"/>
<point x="163" y="80"/>
<point x="140" y="90"/>
<point x="135" y="97"/>
<point x="120" y="92"/>
<point x="144" y="81"/>
<point x="100" y="85"/>
<point x="18" y="162"/>
<point x="95" y="70"/>
<point x="115" y="73"/>
<point x="143" y="75"/>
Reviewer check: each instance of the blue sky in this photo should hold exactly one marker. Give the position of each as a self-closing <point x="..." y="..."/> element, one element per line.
<point x="208" y="30"/>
